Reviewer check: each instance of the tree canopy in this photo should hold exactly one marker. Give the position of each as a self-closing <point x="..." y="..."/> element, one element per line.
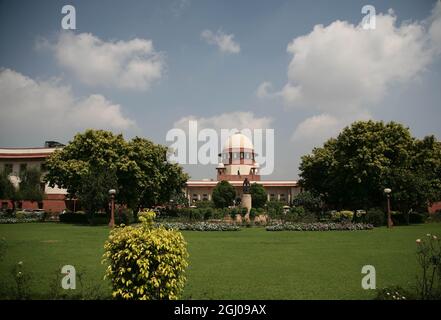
<point x="97" y="160"/>
<point x="223" y="194"/>
<point x="352" y="170"/>
<point x="258" y="195"/>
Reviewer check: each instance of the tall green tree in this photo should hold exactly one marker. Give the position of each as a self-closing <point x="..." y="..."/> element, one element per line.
<point x="138" y="169"/>
<point x="223" y="194"/>
<point x="258" y="195"/>
<point x="7" y="189"/>
<point x="30" y="187"/>
<point x="352" y="170"/>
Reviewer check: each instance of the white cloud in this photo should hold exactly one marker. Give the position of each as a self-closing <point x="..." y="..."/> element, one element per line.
<point x="132" y="64"/>
<point x="315" y="130"/>
<point x="264" y="90"/>
<point x="343" y="68"/>
<point x="47" y="109"/>
<point x="225" y="42"/>
<point x="234" y="120"/>
<point x="342" y="71"/>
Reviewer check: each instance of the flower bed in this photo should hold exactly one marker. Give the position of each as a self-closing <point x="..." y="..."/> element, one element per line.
<point x="16" y="220"/>
<point x="319" y="227"/>
<point x="199" y="226"/>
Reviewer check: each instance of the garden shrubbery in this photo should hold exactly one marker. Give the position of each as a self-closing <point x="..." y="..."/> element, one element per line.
<point x="199" y="226"/>
<point x="22" y="217"/>
<point x="146" y="262"/>
<point x="318" y="226"/>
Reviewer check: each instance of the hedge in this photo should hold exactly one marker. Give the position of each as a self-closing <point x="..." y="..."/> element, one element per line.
<point x="319" y="227"/>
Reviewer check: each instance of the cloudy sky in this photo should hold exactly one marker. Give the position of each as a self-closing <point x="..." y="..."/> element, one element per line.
<point x="303" y="68"/>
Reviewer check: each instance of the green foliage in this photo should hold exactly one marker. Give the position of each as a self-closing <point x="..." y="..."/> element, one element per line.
<point x="223" y="194"/>
<point x="299" y="214"/>
<point x="352" y="170"/>
<point x="318" y="226"/>
<point x="30" y="185"/>
<point x="145" y="262"/>
<point x="275" y="209"/>
<point x="94" y="191"/>
<point x="258" y="195"/>
<point x="200" y="226"/>
<point x="7" y="190"/>
<point x="394" y="293"/>
<point x="342" y="216"/>
<point x="308" y="201"/>
<point x="205" y="204"/>
<point x="375" y="216"/>
<point x="429" y="260"/>
<point x="138" y="169"/>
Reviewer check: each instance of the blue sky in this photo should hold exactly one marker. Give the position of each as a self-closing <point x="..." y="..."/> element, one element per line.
<point x="197" y="78"/>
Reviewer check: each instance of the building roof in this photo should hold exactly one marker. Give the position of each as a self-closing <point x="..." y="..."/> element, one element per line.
<point x="25" y="153"/>
<point x="238" y="141"/>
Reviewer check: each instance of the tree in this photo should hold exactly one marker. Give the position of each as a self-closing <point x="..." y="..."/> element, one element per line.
<point x="138" y="169"/>
<point x="223" y="194"/>
<point x="308" y="201"/>
<point x="258" y="195"/>
<point x="352" y="170"/>
<point x="30" y="185"/>
<point x="7" y="189"/>
<point x="94" y="190"/>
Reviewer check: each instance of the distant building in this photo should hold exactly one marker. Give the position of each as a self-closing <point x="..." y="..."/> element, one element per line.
<point x="14" y="161"/>
<point x="237" y="162"/>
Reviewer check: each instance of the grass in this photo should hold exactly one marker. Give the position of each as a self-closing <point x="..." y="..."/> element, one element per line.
<point x="249" y="264"/>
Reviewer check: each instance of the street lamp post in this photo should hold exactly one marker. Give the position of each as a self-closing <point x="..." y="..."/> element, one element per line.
<point x="387" y="191"/>
<point x="112" y="216"/>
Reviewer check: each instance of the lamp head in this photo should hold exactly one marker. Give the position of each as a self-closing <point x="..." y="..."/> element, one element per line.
<point x="387" y="190"/>
<point x="112" y="192"/>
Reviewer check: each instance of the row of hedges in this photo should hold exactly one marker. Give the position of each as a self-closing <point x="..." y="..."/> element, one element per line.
<point x="319" y="227"/>
<point x="200" y="214"/>
<point x="22" y="217"/>
<point x="199" y="226"/>
<point x="15" y="220"/>
<point x="80" y="217"/>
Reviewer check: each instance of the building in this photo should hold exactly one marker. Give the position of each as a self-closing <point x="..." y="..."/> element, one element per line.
<point x="237" y="162"/>
<point x="13" y="161"/>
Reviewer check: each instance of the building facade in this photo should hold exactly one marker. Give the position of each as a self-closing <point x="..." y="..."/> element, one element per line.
<point x="237" y="162"/>
<point x="14" y="161"/>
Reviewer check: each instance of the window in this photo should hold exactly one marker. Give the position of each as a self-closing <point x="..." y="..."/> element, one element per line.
<point x="241" y="155"/>
<point x="23" y="167"/>
<point x="205" y="197"/>
<point x="8" y="168"/>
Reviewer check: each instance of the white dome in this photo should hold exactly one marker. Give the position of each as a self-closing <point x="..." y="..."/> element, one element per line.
<point x="220" y="165"/>
<point x="238" y="140"/>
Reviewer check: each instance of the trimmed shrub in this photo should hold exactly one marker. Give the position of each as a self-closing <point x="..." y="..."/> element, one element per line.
<point x="199" y="226"/>
<point x="146" y="262"/>
<point x="375" y="216"/>
<point x="319" y="227"/>
<point x="341" y="216"/>
<point x="77" y="218"/>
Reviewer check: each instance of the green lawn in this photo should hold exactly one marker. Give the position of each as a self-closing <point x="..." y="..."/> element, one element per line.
<point x="249" y="264"/>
